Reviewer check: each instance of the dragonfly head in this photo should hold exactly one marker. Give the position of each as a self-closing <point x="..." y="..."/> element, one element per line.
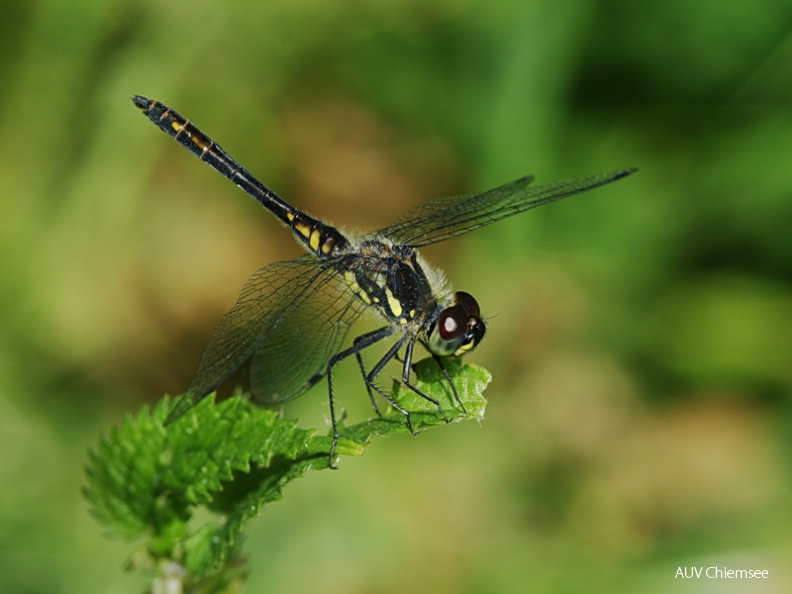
<point x="458" y="329"/>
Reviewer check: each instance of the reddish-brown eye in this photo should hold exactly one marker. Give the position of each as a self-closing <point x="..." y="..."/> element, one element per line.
<point x="467" y="302"/>
<point x="452" y="323"/>
<point x="459" y="328"/>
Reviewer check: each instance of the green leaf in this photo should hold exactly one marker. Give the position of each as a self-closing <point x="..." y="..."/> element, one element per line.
<point x="469" y="381"/>
<point x="190" y="487"/>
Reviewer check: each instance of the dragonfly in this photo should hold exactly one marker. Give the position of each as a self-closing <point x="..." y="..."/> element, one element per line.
<point x="291" y="318"/>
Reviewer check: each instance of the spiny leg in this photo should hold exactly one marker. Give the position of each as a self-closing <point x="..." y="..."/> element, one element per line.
<point x="364" y="373"/>
<point x="442" y="367"/>
<point x="408" y="354"/>
<point x="371" y="377"/>
<point x="360" y="343"/>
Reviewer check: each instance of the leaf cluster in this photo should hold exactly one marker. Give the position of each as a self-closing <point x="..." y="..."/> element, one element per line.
<point x="190" y="487"/>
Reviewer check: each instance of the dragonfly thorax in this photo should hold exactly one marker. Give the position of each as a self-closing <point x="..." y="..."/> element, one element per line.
<point x="391" y="279"/>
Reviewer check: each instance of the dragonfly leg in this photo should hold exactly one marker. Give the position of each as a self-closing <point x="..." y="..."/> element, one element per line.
<point x="442" y="367"/>
<point x="364" y="373"/>
<point x="372" y="375"/>
<point x="360" y="343"/>
<point x="408" y="354"/>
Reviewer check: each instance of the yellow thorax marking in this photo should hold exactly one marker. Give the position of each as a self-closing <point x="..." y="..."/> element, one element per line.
<point x="350" y="279"/>
<point x="393" y="303"/>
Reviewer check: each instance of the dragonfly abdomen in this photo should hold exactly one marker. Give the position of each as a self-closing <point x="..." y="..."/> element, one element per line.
<point x="322" y="240"/>
<point x="318" y="237"/>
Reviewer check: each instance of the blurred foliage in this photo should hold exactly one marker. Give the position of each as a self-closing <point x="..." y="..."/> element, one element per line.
<point x="639" y="337"/>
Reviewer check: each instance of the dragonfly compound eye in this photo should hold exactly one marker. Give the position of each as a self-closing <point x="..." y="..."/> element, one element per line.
<point x="458" y="329"/>
<point x="466" y="314"/>
<point x="467" y="302"/>
<point x="452" y="323"/>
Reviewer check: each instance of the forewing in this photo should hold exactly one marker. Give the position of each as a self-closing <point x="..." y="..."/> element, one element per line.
<point x="296" y="352"/>
<point x="444" y="218"/>
<point x="269" y="298"/>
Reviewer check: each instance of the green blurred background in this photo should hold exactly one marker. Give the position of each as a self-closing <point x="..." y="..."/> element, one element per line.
<point x="640" y="336"/>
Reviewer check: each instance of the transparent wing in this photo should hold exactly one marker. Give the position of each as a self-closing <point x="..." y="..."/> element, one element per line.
<point x="270" y="301"/>
<point x="296" y="352"/>
<point x="444" y="218"/>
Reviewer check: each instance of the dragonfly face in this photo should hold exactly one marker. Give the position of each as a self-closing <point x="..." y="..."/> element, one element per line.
<point x="341" y="277"/>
